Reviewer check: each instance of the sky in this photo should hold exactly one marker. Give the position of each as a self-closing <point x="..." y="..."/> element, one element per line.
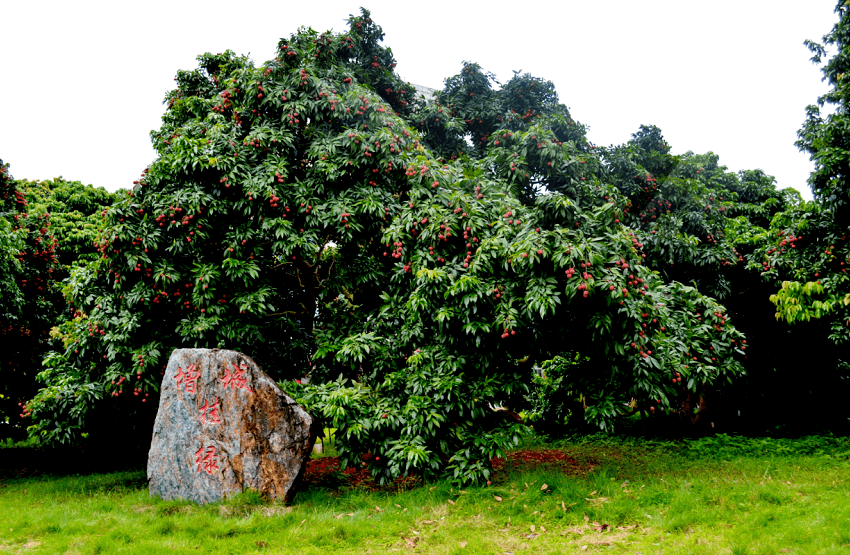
<point x="82" y="82"/>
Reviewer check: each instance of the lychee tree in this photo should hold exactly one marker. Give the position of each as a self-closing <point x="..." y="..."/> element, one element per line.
<point x="241" y="264"/>
<point x="11" y="244"/>
<point x="806" y="250"/>
<point x="802" y="254"/>
<point x="703" y="227"/>
<point x="709" y="227"/>
<point x="695" y="219"/>
<point x="75" y="217"/>
<point x="824" y="137"/>
<point x="296" y="213"/>
<point x="690" y="210"/>
<point x="31" y="301"/>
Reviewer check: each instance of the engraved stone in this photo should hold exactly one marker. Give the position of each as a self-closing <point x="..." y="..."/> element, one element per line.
<point x="224" y="426"/>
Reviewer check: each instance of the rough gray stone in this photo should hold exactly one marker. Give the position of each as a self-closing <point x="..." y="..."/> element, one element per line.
<point x="224" y="426"/>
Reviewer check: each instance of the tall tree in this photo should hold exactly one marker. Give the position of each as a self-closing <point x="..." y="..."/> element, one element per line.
<point x="800" y="256"/>
<point x="30" y="299"/>
<point x="825" y="137"/>
<point x="296" y="213"/>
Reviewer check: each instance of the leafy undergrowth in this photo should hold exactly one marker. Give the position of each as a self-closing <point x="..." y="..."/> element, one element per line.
<point x="584" y="496"/>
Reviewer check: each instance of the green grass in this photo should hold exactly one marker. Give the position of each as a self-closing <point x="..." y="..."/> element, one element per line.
<point x="327" y="441"/>
<point x="8" y="443"/>
<point x="722" y="495"/>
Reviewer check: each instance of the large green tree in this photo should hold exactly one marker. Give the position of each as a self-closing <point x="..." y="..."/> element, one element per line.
<point x="11" y="300"/>
<point x="704" y="225"/>
<point x="29" y="302"/>
<point x="807" y="249"/>
<point x="799" y="252"/>
<point x="54" y="223"/>
<point x="314" y="214"/>
<point x="825" y="137"/>
<point x="11" y="244"/>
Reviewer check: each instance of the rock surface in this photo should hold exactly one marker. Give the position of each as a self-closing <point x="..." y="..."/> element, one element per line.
<point x="223" y="427"/>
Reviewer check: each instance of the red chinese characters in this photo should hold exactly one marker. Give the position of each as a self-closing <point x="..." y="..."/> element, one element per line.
<point x="189" y="378"/>
<point x="210" y="411"/>
<point x="236" y="380"/>
<point x="206" y="461"/>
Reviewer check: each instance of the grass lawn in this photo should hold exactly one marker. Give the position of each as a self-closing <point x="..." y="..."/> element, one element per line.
<point x="717" y="495"/>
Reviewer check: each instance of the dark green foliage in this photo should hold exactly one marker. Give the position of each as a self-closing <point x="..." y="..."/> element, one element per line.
<point x="30" y="300"/>
<point x="10" y="246"/>
<point x="56" y="224"/>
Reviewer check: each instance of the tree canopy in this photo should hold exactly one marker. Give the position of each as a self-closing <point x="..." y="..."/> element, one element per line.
<point x="414" y="257"/>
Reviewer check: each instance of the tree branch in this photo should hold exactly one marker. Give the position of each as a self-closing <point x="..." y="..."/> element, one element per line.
<point x="280" y="313"/>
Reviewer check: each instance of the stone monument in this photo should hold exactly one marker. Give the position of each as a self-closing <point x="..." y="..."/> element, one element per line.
<point x="224" y="426"/>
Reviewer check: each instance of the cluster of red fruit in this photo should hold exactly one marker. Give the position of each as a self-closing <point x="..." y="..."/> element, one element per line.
<point x="26" y="410"/>
<point x="398" y="249"/>
<point x="344" y="218"/>
<point x="508" y="215"/>
<point x="570" y="272"/>
<point x="137" y="391"/>
<point x="650" y="212"/>
<point x="292" y="118"/>
<point x="507" y="334"/>
<point x="119" y="391"/>
<point x="225" y="103"/>
<point x="468" y="255"/>
<point x="138" y="268"/>
<point x="93" y="329"/>
<point x="431" y="252"/>
<point x="273" y="202"/>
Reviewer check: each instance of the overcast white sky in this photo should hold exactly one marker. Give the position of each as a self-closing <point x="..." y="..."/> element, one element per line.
<point x="83" y="81"/>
